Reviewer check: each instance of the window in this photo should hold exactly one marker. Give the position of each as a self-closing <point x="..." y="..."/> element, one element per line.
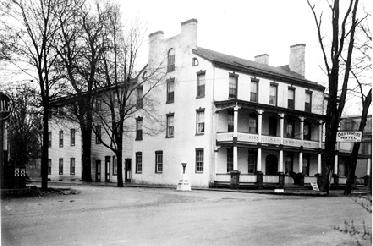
<point x="72" y="137"/>
<point x="289" y="164"/>
<point x="72" y="166"/>
<point x="170" y="126"/>
<point x="49" y="139"/>
<point x="60" y="166"/>
<point x="139" y="123"/>
<point x="253" y="123"/>
<point x="49" y="166"/>
<point x="254" y="90"/>
<point x="98" y="134"/>
<point x="290" y="125"/>
<point x="98" y="104"/>
<point x="308" y="101"/>
<point x="171" y="60"/>
<point x="272" y="126"/>
<point x="159" y="161"/>
<point x="195" y="61"/>
<point x="199" y="160"/>
<point x="138" y="162"/>
<point x="115" y="166"/>
<point x="273" y="94"/>
<point x="201" y="84"/>
<point x="229" y="160"/>
<point x="251" y="163"/>
<point x="291" y="98"/>
<point x="139" y="103"/>
<point x="233" y="79"/>
<point x="200" y="121"/>
<point x="230" y="121"/>
<point x="61" y="139"/>
<point x="170" y="90"/>
<point x="307" y="131"/>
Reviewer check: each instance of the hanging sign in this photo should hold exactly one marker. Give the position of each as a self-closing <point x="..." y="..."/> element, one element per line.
<point x="348" y="137"/>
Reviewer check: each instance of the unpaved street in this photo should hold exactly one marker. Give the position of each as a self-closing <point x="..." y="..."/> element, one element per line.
<point x="145" y="216"/>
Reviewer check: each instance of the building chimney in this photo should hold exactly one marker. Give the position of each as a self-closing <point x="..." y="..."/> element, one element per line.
<point x="263" y="59"/>
<point x="189" y="32"/>
<point x="297" y="58"/>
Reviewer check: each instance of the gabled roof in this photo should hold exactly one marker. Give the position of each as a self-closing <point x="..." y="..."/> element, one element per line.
<point x="282" y="73"/>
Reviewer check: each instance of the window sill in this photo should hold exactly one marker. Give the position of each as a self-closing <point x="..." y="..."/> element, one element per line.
<point x="199" y="172"/>
<point x="200" y="134"/>
<point x="158" y="172"/>
<point x="138" y="172"/>
<point x="169" y="136"/>
<point x="138" y="139"/>
<point x="170" y="102"/>
<point x="200" y="97"/>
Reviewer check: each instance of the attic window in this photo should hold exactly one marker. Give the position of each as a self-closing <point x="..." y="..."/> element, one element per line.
<point x="195" y="61"/>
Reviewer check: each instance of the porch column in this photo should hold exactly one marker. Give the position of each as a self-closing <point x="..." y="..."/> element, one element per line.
<point x="260" y="119"/>
<point x="216" y="151"/>
<point x="282" y="127"/>
<point x="259" y="160"/>
<point x="235" y="165"/>
<point x="369" y="166"/>
<point x="319" y="163"/>
<point x="301" y="128"/>
<point x="235" y="120"/>
<point x="281" y="168"/>
<point x="336" y="164"/>
<point x="320" y="133"/>
<point x="300" y="164"/>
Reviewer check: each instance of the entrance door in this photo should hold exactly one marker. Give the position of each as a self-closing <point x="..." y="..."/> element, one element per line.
<point x="107" y="168"/>
<point x="98" y="170"/>
<point x="271" y="165"/>
<point x="128" y="170"/>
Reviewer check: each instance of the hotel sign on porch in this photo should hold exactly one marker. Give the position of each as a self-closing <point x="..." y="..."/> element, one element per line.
<point x="348" y="137"/>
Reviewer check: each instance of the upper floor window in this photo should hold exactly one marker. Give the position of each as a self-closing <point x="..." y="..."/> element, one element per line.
<point x="139" y="95"/>
<point x="195" y="61"/>
<point x="159" y="161"/>
<point x="139" y="123"/>
<point x="201" y="84"/>
<point x="253" y="123"/>
<point x="233" y="79"/>
<point x="273" y="94"/>
<point x="254" y="90"/>
<point x="171" y="60"/>
<point x="199" y="160"/>
<point x="308" y="101"/>
<point x="138" y="162"/>
<point x="72" y="137"/>
<point x="291" y="97"/>
<point x="307" y="131"/>
<point x="170" y="90"/>
<point x="290" y="128"/>
<point x="98" y="134"/>
<point x="170" y="125"/>
<point x="200" y="121"/>
<point x="61" y="139"/>
<point x="49" y="139"/>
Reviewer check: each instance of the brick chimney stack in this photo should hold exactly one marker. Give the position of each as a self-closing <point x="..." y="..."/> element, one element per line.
<point x="297" y="58"/>
<point x="263" y="59"/>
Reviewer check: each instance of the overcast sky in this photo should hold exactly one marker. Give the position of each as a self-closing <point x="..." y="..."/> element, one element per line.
<point x="242" y="28"/>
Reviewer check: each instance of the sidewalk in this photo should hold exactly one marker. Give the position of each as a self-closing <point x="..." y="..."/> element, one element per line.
<point x="287" y="192"/>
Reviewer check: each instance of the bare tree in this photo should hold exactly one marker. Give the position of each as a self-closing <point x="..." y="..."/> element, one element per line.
<point x="343" y="28"/>
<point x="29" y="29"/>
<point x="128" y="90"/>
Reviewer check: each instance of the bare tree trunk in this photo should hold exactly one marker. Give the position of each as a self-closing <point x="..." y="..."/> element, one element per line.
<point x="44" y="155"/>
<point x="352" y="160"/>
<point x="86" y="152"/>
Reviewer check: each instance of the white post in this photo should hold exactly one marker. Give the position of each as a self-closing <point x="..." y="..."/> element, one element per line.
<point x="235" y="164"/>
<point x="369" y="166"/>
<point x="260" y="119"/>
<point x="259" y="160"/>
<point x="336" y="164"/>
<point x="319" y="163"/>
<point x="301" y="128"/>
<point x="281" y="169"/>
<point x="282" y="127"/>
<point x="300" y="164"/>
<point x="235" y="120"/>
<point x="215" y="162"/>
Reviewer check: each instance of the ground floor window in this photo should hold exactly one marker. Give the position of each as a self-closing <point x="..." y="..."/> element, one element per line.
<point x="289" y="163"/>
<point x="199" y="160"/>
<point x="60" y="166"/>
<point x="229" y="160"/>
<point x="138" y="162"/>
<point x="49" y="166"/>
<point x="72" y="166"/>
<point x="159" y="161"/>
<point x="252" y="161"/>
<point x="115" y="166"/>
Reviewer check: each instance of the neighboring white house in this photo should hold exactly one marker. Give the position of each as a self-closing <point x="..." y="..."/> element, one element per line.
<point x="221" y="113"/>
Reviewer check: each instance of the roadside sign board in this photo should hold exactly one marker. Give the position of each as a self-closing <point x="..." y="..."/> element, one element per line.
<point x="348" y="137"/>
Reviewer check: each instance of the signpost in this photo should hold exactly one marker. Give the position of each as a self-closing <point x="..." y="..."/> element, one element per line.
<point x="349" y="137"/>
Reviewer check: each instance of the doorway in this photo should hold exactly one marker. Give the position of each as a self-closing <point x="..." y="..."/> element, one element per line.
<point x="272" y="126"/>
<point x="271" y="165"/>
<point x="98" y="170"/>
<point x="128" y="170"/>
<point x="107" y="168"/>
